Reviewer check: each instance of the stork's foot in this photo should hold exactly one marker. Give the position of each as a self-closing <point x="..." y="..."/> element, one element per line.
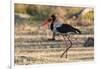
<point x="51" y="39"/>
<point x="66" y="56"/>
<point x="61" y="56"/>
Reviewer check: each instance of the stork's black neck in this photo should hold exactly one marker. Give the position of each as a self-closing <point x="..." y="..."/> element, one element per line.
<point x="51" y="26"/>
<point x="52" y="23"/>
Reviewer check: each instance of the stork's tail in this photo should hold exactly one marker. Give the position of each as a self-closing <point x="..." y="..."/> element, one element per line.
<point x="77" y="31"/>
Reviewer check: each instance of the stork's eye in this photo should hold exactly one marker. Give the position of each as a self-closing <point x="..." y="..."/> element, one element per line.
<point x="49" y="19"/>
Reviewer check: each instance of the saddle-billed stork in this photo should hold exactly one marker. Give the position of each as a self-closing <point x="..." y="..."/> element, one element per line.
<point x="63" y="29"/>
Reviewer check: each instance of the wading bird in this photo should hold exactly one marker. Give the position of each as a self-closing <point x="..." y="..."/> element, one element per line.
<point x="62" y="29"/>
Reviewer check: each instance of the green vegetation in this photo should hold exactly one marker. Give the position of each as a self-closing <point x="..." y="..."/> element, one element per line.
<point x="89" y="15"/>
<point x="41" y="12"/>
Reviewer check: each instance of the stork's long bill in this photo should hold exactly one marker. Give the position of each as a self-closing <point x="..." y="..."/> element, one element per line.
<point x="46" y="22"/>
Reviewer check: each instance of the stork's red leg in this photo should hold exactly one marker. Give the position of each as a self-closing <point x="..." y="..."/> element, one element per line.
<point x="68" y="46"/>
<point x="53" y="37"/>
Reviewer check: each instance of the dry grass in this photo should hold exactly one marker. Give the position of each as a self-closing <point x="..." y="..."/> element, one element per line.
<point x="52" y="55"/>
<point x="35" y="49"/>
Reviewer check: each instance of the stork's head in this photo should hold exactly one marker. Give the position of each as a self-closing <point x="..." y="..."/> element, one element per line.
<point x="53" y="17"/>
<point x="49" y="20"/>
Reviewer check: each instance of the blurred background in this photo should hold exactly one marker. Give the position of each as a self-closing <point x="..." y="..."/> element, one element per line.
<point x="27" y="16"/>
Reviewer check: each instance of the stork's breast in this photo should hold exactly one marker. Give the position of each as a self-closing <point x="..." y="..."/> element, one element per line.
<point x="56" y="25"/>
